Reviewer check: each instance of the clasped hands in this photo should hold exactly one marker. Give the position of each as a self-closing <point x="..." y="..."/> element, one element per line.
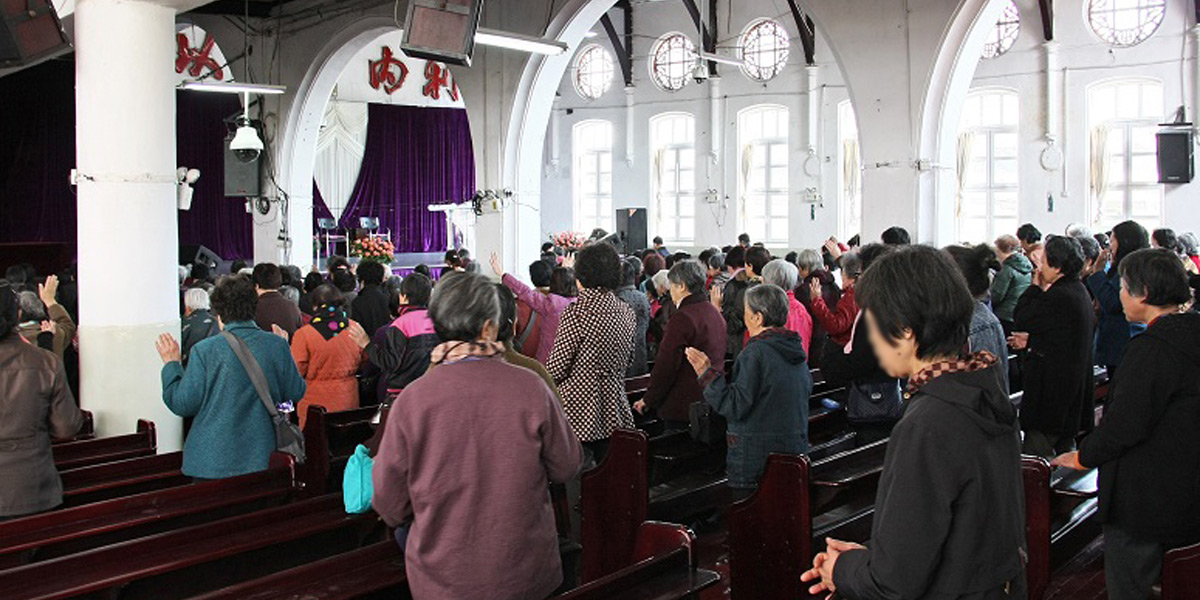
<point x="823" y="565"/>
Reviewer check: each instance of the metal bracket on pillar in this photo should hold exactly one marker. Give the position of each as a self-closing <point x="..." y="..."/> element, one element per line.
<point x="1047" y="9"/>
<point x="624" y="54"/>
<point x="808" y="33"/>
<point x="708" y="39"/>
<point x="1197" y="12"/>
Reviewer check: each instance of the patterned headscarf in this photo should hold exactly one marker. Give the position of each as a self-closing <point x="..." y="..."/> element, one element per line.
<point x="330" y="320"/>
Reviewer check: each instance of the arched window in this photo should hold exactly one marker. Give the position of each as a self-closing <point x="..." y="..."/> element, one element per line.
<point x="1004" y="34"/>
<point x="988" y="179"/>
<point x="763" y="138"/>
<point x="850" y="194"/>
<point x="765" y="47"/>
<point x="592" y="149"/>
<point x="593" y="72"/>
<point x="673" y="150"/>
<point x="672" y="61"/>
<point x="1123" y="118"/>
<point x="1125" y="22"/>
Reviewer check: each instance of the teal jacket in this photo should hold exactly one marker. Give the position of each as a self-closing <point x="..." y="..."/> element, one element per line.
<point x="232" y="433"/>
<point x="1013" y="279"/>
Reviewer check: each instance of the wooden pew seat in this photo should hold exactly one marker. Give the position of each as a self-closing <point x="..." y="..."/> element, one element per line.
<point x="376" y="569"/>
<point x="1181" y="573"/>
<point x="122" y="478"/>
<point x="85" y="453"/>
<point x="664" y="569"/>
<point x="847" y="468"/>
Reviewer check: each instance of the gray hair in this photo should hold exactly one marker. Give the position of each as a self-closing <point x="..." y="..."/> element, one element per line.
<point x="717" y="261"/>
<point x="290" y="293"/>
<point x="1189" y="243"/>
<point x="781" y="273"/>
<point x="32" y="308"/>
<point x="184" y="271"/>
<point x="659" y="281"/>
<point x="196" y="299"/>
<point x="851" y="264"/>
<point x="690" y="274"/>
<point x="1076" y="230"/>
<point x="771" y="302"/>
<point x="462" y="304"/>
<point x="809" y="260"/>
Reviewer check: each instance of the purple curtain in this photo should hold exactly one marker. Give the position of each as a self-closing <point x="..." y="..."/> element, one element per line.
<point x="414" y="157"/>
<point x="320" y="209"/>
<point x="215" y="221"/>
<point x="37" y="152"/>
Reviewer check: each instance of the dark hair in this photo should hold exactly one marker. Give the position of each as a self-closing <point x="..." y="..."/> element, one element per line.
<point x="452" y="259"/>
<point x="1102" y="239"/>
<point x="15" y="275"/>
<point x="548" y="247"/>
<point x="462" y="304"/>
<point x="371" y="273"/>
<point x="1029" y="234"/>
<point x="240" y="264"/>
<point x="337" y="263"/>
<point x="234" y="298"/>
<point x="938" y="311"/>
<point x="735" y="258"/>
<point x="1065" y="254"/>
<point x="770" y="301"/>
<point x="267" y="276"/>
<point x="8" y="310"/>
<point x="327" y="294"/>
<point x="562" y="282"/>
<point x="975" y="264"/>
<point x="896" y="236"/>
<point x="705" y="255"/>
<point x="539" y="273"/>
<point x="291" y="276"/>
<point x="791" y="256"/>
<point x="757" y="258"/>
<point x="424" y="270"/>
<point x="1157" y="274"/>
<point x="690" y="274"/>
<point x="417" y="288"/>
<point x="508" y="313"/>
<point x="200" y="272"/>
<point x="855" y="241"/>
<point x="1090" y="247"/>
<point x="872" y="252"/>
<point x="1131" y="237"/>
<point x="744" y="239"/>
<point x="312" y="281"/>
<point x="653" y="263"/>
<point x="1166" y="238"/>
<point x="629" y="273"/>
<point x="344" y="280"/>
<point x="658" y="240"/>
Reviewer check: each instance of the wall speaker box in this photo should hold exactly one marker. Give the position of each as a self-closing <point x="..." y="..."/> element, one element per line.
<point x="29" y="31"/>
<point x="632" y="229"/>
<point x="190" y="254"/>
<point x="242" y="179"/>
<point x="441" y="30"/>
<point x="1176" y="156"/>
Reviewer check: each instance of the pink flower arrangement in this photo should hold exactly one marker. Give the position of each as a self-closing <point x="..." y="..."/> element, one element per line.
<point x="371" y="249"/>
<point x="569" y="240"/>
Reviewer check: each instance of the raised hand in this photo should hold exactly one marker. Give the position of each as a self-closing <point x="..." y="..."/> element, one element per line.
<point x="168" y="348"/>
<point x="496" y="266"/>
<point x="49" y="327"/>
<point x="698" y="359"/>
<point x="48" y="291"/>
<point x="814" y="288"/>
<point x="279" y="331"/>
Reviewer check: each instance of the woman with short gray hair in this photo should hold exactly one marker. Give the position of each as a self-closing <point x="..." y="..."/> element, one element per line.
<point x="198" y="322"/>
<point x="498" y="435"/>
<point x="808" y="261"/>
<point x="785" y="276"/>
<point x="766" y="399"/>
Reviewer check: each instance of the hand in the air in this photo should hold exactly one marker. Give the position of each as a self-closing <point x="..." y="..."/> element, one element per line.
<point x="168" y="348"/>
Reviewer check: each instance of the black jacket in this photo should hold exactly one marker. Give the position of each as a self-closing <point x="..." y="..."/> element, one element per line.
<point x="949" y="517"/>
<point x="1057" y="369"/>
<point x="860" y="366"/>
<point x="370" y="308"/>
<point x="1148" y="445"/>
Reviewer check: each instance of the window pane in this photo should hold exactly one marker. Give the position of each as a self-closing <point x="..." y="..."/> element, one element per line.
<point x="1005" y="171"/>
<point x="1146" y="202"/>
<point x="1116" y="170"/>
<point x="687" y="206"/>
<point x="977" y="175"/>
<point x="1001" y="226"/>
<point x="606" y="162"/>
<point x="1128" y="101"/>
<point x="1005" y="144"/>
<point x="667" y="208"/>
<point x="779" y="178"/>
<point x="687" y="229"/>
<point x="779" y="207"/>
<point x="756" y="206"/>
<point x="1004" y="204"/>
<point x="974" y="204"/>
<point x="1143" y="139"/>
<point x="1145" y="169"/>
<point x="1152" y="100"/>
<point x="687" y="180"/>
<point x="1103" y="107"/>
<point x="972" y="230"/>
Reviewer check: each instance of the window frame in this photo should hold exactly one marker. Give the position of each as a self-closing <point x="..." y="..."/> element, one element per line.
<point x="660" y="44"/>
<point x="1140" y="34"/>
<point x="774" y="146"/>
<point x="670" y="232"/>
<point x="782" y="53"/>
<point x="990" y="189"/>
<point x="592" y="158"/>
<point x="579" y="74"/>
<point x="1126" y="125"/>
<point x="1004" y="41"/>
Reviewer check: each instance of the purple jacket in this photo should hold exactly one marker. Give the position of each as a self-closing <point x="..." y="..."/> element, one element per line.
<point x="549" y="307"/>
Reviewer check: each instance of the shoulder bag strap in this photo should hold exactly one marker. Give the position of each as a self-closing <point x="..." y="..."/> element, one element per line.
<point x="524" y="337"/>
<point x="257" y="377"/>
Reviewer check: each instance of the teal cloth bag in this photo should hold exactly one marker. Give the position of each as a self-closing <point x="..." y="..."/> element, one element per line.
<point x="357" y="488"/>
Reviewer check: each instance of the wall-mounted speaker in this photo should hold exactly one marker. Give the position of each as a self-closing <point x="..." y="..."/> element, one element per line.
<point x="242" y="179"/>
<point x="29" y="31"/>
<point x="632" y="229"/>
<point x="442" y="30"/>
<point x="1176" y="156"/>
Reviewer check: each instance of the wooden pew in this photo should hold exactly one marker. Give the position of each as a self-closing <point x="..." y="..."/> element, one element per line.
<point x="122" y="478"/>
<point x="1035" y="475"/>
<point x="60" y="533"/>
<point x="614" y="503"/>
<point x="87" y="431"/>
<point x="663" y="568"/>
<point x="85" y="453"/>
<point x="185" y="562"/>
<point x="1181" y="573"/>
<point x="843" y="492"/>
<point x="770" y="533"/>
<point x="329" y="440"/>
<point x="372" y="571"/>
<point x="1059" y="506"/>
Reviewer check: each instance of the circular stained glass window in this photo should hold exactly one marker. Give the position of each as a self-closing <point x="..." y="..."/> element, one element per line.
<point x="1124" y="23"/>
<point x="765" y="47"/>
<point x="593" y="72"/>
<point x="672" y="61"/>
<point x="1004" y="34"/>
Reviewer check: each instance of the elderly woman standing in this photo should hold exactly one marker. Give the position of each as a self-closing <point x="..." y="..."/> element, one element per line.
<point x="328" y="352"/>
<point x="784" y="275"/>
<point x="232" y="433"/>
<point x="478" y="443"/>
<point x="37" y="405"/>
<point x="593" y="349"/>
<point x="549" y="307"/>
<point x="198" y="323"/>
<point x="948" y="512"/>
<point x="766" y="401"/>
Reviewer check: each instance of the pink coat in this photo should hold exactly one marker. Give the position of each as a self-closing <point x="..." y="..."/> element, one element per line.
<point x="549" y="307"/>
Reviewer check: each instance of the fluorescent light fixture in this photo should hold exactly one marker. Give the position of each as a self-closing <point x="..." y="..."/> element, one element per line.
<point x="717" y="58"/>
<point x="591" y="34"/>
<point x="232" y="88"/>
<point x="516" y="41"/>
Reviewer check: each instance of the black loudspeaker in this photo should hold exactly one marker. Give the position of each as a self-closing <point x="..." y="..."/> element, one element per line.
<point x="29" y="31"/>
<point x="1176" y="161"/>
<point x="190" y="254"/>
<point x="242" y="179"/>
<point x="632" y="229"/>
<point x="442" y="30"/>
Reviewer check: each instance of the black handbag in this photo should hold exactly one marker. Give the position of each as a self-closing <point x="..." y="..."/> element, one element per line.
<point x="879" y="402"/>
<point x="705" y="425"/>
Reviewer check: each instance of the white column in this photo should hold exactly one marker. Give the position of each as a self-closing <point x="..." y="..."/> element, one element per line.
<point x="555" y="136"/>
<point x="128" y="233"/>
<point x="1053" y="99"/>
<point x="812" y="84"/>
<point x="714" y="129"/>
<point x="630" y="125"/>
<point x="1195" y="116"/>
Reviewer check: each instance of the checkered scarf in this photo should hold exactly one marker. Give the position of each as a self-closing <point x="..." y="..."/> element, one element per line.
<point x="975" y="362"/>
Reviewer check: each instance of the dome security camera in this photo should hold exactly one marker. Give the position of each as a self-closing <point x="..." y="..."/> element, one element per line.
<point x="246" y="145"/>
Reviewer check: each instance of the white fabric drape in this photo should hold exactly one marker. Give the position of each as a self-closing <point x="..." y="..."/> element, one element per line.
<point x="1099" y="160"/>
<point x="340" y="152"/>
<point x="657" y="174"/>
<point x="747" y="166"/>
<point x="966" y="149"/>
<point x="851" y="168"/>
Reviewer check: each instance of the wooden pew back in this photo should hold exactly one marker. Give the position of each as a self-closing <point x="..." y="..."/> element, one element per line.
<point x="770" y="533"/>
<point x="1181" y="573"/>
<point x="85" y="453"/>
<point x="1035" y="474"/>
<point x="329" y="440"/>
<point x="667" y="572"/>
<point x="614" y="502"/>
<point x="369" y="572"/>
<point x="122" y="478"/>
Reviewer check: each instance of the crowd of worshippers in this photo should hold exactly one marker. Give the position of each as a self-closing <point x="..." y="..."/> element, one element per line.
<point x="497" y="389"/>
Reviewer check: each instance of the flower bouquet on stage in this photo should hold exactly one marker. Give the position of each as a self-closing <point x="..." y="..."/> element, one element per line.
<point x="373" y="249"/>
<point x="569" y="241"/>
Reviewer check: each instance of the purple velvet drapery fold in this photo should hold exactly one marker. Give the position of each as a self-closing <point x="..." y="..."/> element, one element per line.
<point x="320" y="209"/>
<point x="222" y="224"/>
<point x="414" y="157"/>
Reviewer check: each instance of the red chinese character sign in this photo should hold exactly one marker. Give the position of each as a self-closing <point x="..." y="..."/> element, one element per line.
<point x="437" y="76"/>
<point x="388" y="73"/>
<point x="197" y="55"/>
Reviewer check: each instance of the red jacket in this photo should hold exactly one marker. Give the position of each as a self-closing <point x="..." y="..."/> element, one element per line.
<point x="837" y="324"/>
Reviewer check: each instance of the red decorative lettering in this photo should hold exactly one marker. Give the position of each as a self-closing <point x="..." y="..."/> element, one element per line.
<point x="388" y="72"/>
<point x="199" y="60"/>
<point x="435" y="79"/>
